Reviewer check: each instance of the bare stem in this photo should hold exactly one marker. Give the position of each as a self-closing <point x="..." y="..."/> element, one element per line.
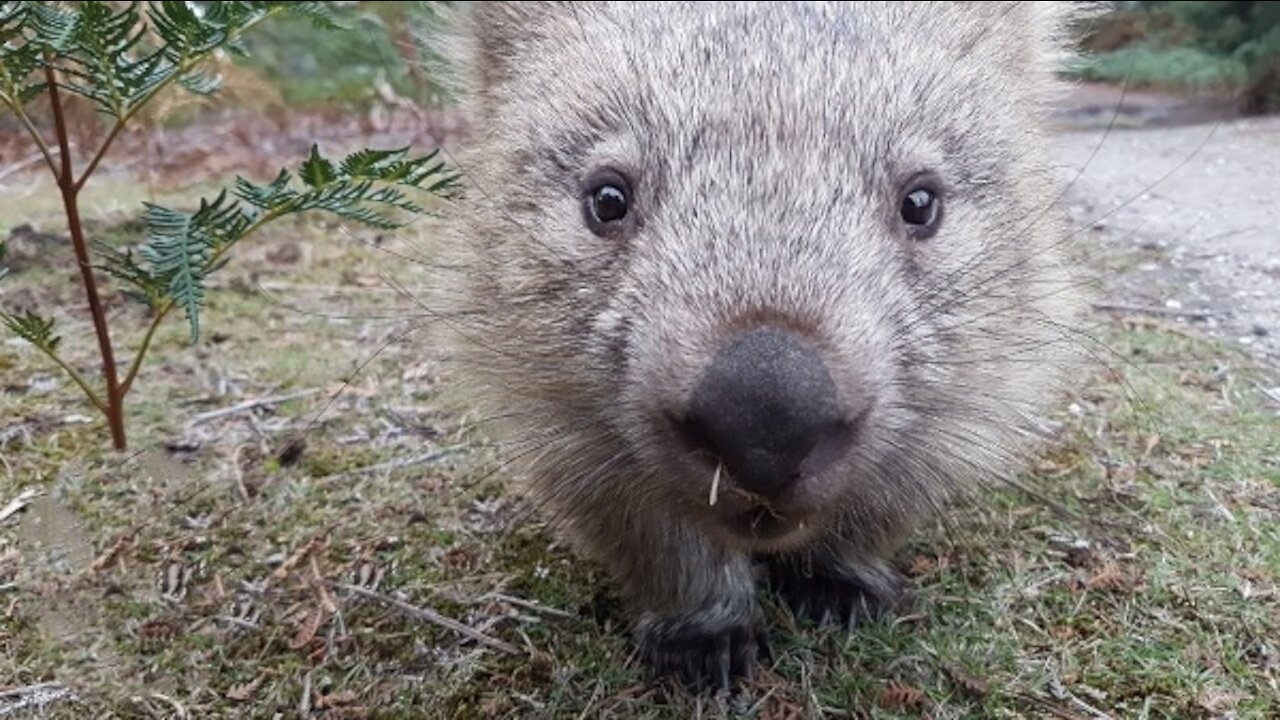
<point x="136" y="365"/>
<point x="76" y="377"/>
<point x="34" y="132"/>
<point x="69" y="190"/>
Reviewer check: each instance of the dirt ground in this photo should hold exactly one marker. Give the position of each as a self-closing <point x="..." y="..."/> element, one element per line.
<point x="1194" y="188"/>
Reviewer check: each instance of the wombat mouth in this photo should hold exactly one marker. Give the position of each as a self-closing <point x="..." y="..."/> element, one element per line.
<point x="763" y="523"/>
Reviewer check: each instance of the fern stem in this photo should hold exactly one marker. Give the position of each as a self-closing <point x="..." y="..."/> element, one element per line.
<point x="35" y="134"/>
<point x="112" y="408"/>
<point x="136" y="365"/>
<point x="77" y="378"/>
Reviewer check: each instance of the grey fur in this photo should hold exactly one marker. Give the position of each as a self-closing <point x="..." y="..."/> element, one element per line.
<point x="768" y="144"/>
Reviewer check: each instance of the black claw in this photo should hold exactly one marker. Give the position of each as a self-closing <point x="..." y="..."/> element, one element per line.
<point x="724" y="662"/>
<point x="844" y="600"/>
<point x="702" y="659"/>
<point x="764" y="648"/>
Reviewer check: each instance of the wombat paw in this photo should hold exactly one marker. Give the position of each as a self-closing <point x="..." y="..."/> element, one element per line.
<point x="847" y="598"/>
<point x="703" y="658"/>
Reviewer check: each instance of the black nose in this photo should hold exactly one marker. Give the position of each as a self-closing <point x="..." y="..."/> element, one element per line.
<point x="767" y="408"/>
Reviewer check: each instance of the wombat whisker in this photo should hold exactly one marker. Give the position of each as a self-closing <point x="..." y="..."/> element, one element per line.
<point x="1069" y="236"/>
<point x="1106" y="134"/>
<point x="557" y="506"/>
<point x="411" y="259"/>
<point x="346" y="383"/>
<point x="527" y="446"/>
<point x="951" y="279"/>
<point x="715" y="485"/>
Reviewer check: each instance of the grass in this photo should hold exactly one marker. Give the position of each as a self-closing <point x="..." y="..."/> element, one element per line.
<point x="205" y="577"/>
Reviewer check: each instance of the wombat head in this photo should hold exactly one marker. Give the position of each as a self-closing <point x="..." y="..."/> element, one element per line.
<point x="771" y="266"/>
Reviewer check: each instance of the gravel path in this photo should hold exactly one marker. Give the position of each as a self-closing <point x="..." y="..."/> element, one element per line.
<point x="1203" y="197"/>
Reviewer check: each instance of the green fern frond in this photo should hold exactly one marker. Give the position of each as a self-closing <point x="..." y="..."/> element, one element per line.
<point x="317" y="171"/>
<point x="177" y="252"/>
<point x="369" y="187"/>
<point x="320" y="15"/>
<point x="140" y="284"/>
<point x="100" y="54"/>
<point x="34" y="329"/>
<point x="20" y="57"/>
<point x="181" y="249"/>
<point x="370" y="163"/>
<point x="198" y="83"/>
<point x="272" y="195"/>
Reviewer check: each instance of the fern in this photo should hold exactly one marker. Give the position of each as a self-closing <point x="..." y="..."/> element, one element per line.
<point x="121" y="56"/>
<point x="102" y="55"/>
<point x="34" y="329"/>
<point x="368" y="186"/>
<point x="140" y="284"/>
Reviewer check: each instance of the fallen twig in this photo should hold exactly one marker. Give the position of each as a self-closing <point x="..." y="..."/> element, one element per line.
<point x="526" y="604"/>
<point x="424" y="458"/>
<point x="113" y="553"/>
<point x="253" y="404"/>
<point x="431" y="616"/>
<point x="18" y="503"/>
<point x="1048" y="707"/>
<point x="32" y="696"/>
<point x="291" y="562"/>
<point x="1153" y="310"/>
<point x="1272" y="394"/>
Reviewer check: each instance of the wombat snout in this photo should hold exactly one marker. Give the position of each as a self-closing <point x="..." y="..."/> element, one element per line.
<point x="766" y="408"/>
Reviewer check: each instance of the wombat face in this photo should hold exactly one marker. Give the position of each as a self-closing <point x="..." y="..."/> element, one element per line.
<point x="773" y="266"/>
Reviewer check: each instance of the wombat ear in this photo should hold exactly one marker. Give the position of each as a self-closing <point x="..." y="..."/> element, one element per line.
<point x="485" y="39"/>
<point x="1050" y="29"/>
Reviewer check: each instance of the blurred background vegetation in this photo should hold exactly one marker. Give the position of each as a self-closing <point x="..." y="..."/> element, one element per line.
<point x="313" y="68"/>
<point x="1229" y="48"/>
<point x="1226" y="48"/>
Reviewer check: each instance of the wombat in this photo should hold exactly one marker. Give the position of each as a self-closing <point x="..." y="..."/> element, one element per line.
<point x="755" y="288"/>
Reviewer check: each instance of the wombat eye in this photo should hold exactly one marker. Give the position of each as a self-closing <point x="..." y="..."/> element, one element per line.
<point x="921" y="210"/>
<point x="609" y="203"/>
<point x="608" y="200"/>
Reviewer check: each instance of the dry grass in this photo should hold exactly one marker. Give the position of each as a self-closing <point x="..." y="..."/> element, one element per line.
<point x="229" y="570"/>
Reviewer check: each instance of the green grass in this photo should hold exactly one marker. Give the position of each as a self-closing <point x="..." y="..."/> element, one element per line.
<point x="1153" y="596"/>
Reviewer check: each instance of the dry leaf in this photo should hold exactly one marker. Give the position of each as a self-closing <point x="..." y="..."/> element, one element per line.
<point x="900" y="696"/>
<point x="297" y="557"/>
<point x="112" y="554"/>
<point x="968" y="682"/>
<point x="337" y="699"/>
<point x="1217" y="701"/>
<point x="241" y="693"/>
<point x="920" y="565"/>
<point x="307" y="630"/>
<point x="1110" y="577"/>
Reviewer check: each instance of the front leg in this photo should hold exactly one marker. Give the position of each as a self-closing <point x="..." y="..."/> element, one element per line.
<point x="835" y="585"/>
<point x="694" y="602"/>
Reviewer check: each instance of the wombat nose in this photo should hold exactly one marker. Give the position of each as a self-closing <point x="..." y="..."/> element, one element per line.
<point x="767" y="409"/>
